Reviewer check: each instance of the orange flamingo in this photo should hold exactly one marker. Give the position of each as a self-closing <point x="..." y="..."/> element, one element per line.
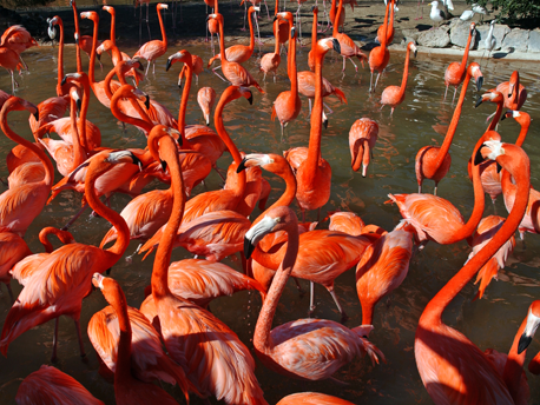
<point x="13" y="249"/>
<point x="383" y="267"/>
<point x="239" y="53"/>
<point x="347" y="222"/>
<point x="270" y="61"/>
<point x="312" y="398"/>
<point x="280" y="28"/>
<point x="197" y="65"/>
<point x="127" y="389"/>
<point x="83" y="42"/>
<point x="233" y="71"/>
<point x="380" y="56"/>
<point x="30" y="265"/>
<point x="348" y="48"/>
<point x="50" y="385"/>
<point x="513" y="92"/>
<point x="314" y="174"/>
<point x="390" y="31"/>
<point x="452" y="368"/>
<point x="334" y="13"/>
<point x="311" y="54"/>
<point x="394" y="95"/>
<point x="212" y="345"/>
<point x="455" y="72"/>
<point x="320" y="347"/>
<point x="433" y="162"/>
<point x="206" y="97"/>
<point x="64" y="279"/>
<point x="10" y="60"/>
<point x="287" y="105"/>
<point x="156" y="48"/>
<point x="487" y="228"/>
<point x="21" y="205"/>
<point x="18" y="39"/>
<point x="201" y="281"/>
<point x="212" y="26"/>
<point x="362" y="138"/>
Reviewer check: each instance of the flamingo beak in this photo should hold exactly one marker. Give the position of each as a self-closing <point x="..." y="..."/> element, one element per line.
<point x="337" y="46"/>
<point x="147" y="102"/>
<point x="168" y="65"/>
<point x="241" y="166"/>
<point x="508" y="114"/>
<point x="36" y="115"/>
<point x="63" y="81"/>
<point x="98" y="56"/>
<point x="140" y="66"/>
<point x="524" y="342"/>
<point x="79" y="104"/>
<point x="137" y="161"/>
<point x="479" y="82"/>
<point x="478" y="102"/>
<point x="163" y="165"/>
<point x="250" y="98"/>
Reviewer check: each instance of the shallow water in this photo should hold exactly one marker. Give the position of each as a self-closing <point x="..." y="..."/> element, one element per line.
<point x="421" y="120"/>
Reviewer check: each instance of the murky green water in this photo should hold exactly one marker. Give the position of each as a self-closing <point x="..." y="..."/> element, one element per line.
<point x="420" y="121"/>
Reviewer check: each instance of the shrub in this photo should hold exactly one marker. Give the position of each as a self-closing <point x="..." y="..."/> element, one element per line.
<point x="513" y="10"/>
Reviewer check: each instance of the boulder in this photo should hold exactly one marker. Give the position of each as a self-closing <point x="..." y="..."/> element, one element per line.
<point x="435" y="38"/>
<point x="517" y="40"/>
<point x="410" y="35"/>
<point x="459" y="34"/>
<point x="499" y="33"/>
<point x="533" y="45"/>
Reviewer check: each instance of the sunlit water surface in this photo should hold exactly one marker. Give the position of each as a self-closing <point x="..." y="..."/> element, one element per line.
<point x="421" y="120"/>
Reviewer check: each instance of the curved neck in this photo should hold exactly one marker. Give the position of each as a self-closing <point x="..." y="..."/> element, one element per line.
<point x="123" y="361"/>
<point x="523" y="134"/>
<point x="463" y="65"/>
<point x="84" y="112"/>
<point x="288" y="195"/>
<point x="44" y="239"/>
<point x="405" y="75"/>
<point x="79" y="154"/>
<point x="126" y="118"/>
<point x="168" y="152"/>
<point x="496" y="117"/>
<point x="433" y="311"/>
<point x="514" y="364"/>
<point x="113" y="28"/>
<point x="122" y="230"/>
<point x="59" y="90"/>
<point x="183" y="104"/>
<point x="92" y="63"/>
<point x="337" y="17"/>
<point x="78" y="34"/>
<point x="445" y="147"/>
<point x="251" y="33"/>
<point x="261" y="338"/>
<point x="221" y="42"/>
<point x="315" y="133"/>
<point x="49" y="170"/>
<point x="162" y="27"/>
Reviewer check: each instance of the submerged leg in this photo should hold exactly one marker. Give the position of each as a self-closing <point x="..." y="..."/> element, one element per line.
<point x="79" y="336"/>
<point x="311" y="298"/>
<point x="129" y="258"/>
<point x="55" y="341"/>
<point x="77" y="215"/>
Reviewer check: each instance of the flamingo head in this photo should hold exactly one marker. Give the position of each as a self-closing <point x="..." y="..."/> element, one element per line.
<point x="181" y="56"/>
<point x="218" y="17"/>
<point x="162" y="6"/>
<point x="513" y="83"/>
<point x="533" y="321"/>
<point x="286" y="16"/>
<point x="123" y="156"/>
<point x="75" y="94"/>
<point x="476" y="73"/>
<point x="522" y="118"/>
<point x="315" y="10"/>
<point x="270" y="162"/>
<point x="109" y="10"/>
<point x="472" y="27"/>
<point x="492" y="96"/>
<point x="110" y="289"/>
<point x="18" y="104"/>
<point x="90" y="15"/>
<point x="412" y="48"/>
<point x="324" y="45"/>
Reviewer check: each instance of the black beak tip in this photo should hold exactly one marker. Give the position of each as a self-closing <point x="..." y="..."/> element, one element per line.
<point x="250" y="99"/>
<point x="108" y="272"/>
<point x="147" y="102"/>
<point x="248" y="248"/>
<point x="98" y="56"/>
<point x="499" y="167"/>
<point x="325" y="124"/>
<point x="478" y="158"/>
<point x="242" y="166"/>
<point x="524" y="342"/>
<point x="479" y="83"/>
<point x="168" y="65"/>
<point x="478" y="102"/>
<point x="179" y="141"/>
<point x="164" y="165"/>
<point x="79" y="104"/>
<point x="337" y="46"/>
<point x="63" y="81"/>
<point x="415" y="52"/>
<point x="136" y="161"/>
<point x="140" y="66"/>
<point x="275" y="18"/>
<point x="36" y="115"/>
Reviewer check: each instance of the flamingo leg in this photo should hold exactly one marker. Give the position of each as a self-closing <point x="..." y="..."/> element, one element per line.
<point x="298" y="286"/>
<point x="454" y="98"/>
<point x="371" y="82"/>
<point x="55" y="341"/>
<point x="154" y="67"/>
<point x="311" y="298"/>
<point x="147" y="69"/>
<point x="435" y="189"/>
<point x="79" y="336"/>
<point x="218" y="75"/>
<point x="376" y="81"/>
<point x="77" y="215"/>
<point x="267" y="12"/>
<point x="245" y="14"/>
<point x="148" y="21"/>
<point x="129" y="258"/>
<point x="445" y="93"/>
<point x="354" y="64"/>
<point x="344" y="316"/>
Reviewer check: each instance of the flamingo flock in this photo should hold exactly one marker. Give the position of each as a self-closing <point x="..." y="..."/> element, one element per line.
<point x="172" y="337"/>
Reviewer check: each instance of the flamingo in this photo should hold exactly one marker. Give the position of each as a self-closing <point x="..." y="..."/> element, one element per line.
<point x="239" y="53"/>
<point x="380" y="56"/>
<point x="18" y="39"/>
<point x="197" y="66"/>
<point x="280" y="28"/>
<point x="514" y="93"/>
<point x="233" y="71"/>
<point x="64" y="279"/>
<point x="348" y="49"/>
<point x="314" y="174"/>
<point x="270" y="61"/>
<point x="390" y="31"/>
<point x="307" y="349"/>
<point x="312" y="398"/>
<point x="50" y="385"/>
<point x="127" y="389"/>
<point x="206" y="97"/>
<point x="156" y="48"/>
<point x="455" y="72"/>
<point x="311" y="54"/>
<point x="346" y="222"/>
<point x="9" y="60"/>
<point x="201" y="281"/>
<point x="383" y="267"/>
<point x="288" y="104"/>
<point x="333" y="14"/>
<point x="214" y="359"/>
<point x="21" y="205"/>
<point x="362" y="138"/>
<point x="84" y="42"/>
<point x="31" y="264"/>
<point x="394" y="95"/>
<point x="433" y="162"/>
<point x="451" y="367"/>
<point x="13" y="249"/>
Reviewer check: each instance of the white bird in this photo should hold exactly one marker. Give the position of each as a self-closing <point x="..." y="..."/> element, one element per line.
<point x="489" y="42"/>
<point x="467" y="15"/>
<point x="436" y="14"/>
<point x="478" y="9"/>
<point x="448" y="4"/>
<point x="396" y="9"/>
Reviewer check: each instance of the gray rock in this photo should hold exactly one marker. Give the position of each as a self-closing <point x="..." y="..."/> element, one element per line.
<point x="459" y="34"/>
<point x="533" y="45"/>
<point x="435" y="38"/>
<point x="499" y="33"/>
<point x="410" y="35"/>
<point x="516" y="39"/>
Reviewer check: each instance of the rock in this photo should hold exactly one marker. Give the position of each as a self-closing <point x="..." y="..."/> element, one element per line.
<point x="410" y="35"/>
<point x="435" y="38"/>
<point x="533" y="45"/>
<point x="516" y="39"/>
<point x="499" y="33"/>
<point x="459" y="34"/>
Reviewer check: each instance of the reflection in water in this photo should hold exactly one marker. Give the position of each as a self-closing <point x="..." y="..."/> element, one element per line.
<point x="421" y="120"/>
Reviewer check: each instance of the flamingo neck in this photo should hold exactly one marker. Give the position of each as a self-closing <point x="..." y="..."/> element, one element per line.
<point x="251" y="33"/>
<point x="507" y="186"/>
<point x="289" y="194"/>
<point x="84" y="111"/>
<point x="384" y="36"/>
<point x="405" y="75"/>
<point x="123" y="361"/>
<point x="122" y="230"/>
<point x="314" y="29"/>
<point x="514" y="364"/>
<point x="162" y="27"/>
<point x="261" y="339"/>
<point x="463" y="64"/>
<point x="108" y="80"/>
<point x="49" y="170"/>
<point x="79" y="153"/>
<point x="78" y="34"/>
<point x="168" y="152"/>
<point x="91" y="75"/>
<point x="276" y="10"/>
<point x="445" y="147"/>
<point x="496" y="117"/>
<point x="335" y="30"/>
<point x="183" y="104"/>
<point x="126" y="118"/>
<point x="293" y="76"/>
<point x="523" y="134"/>
<point x="315" y="134"/>
<point x="113" y="29"/>
<point x="390" y="31"/>
<point x="44" y="239"/>
<point x="222" y="43"/>
<point x="431" y="317"/>
<point x="59" y="90"/>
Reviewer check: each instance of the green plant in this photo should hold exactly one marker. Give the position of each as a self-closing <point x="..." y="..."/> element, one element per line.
<point x="512" y="9"/>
